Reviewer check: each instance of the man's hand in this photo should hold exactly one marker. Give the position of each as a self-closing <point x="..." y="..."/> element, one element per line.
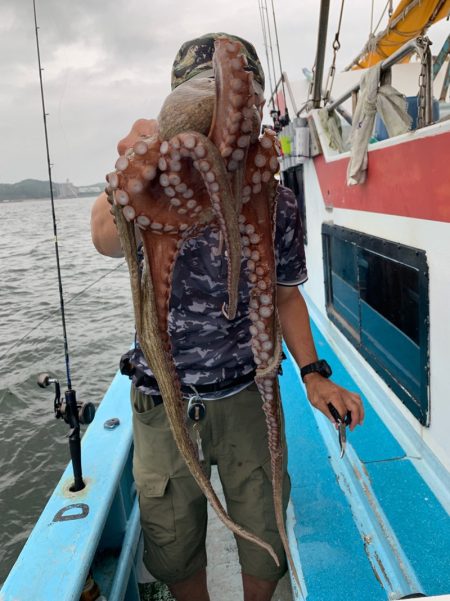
<point x="297" y="335"/>
<point x="322" y="391"/>
<point x="141" y="128"/>
<point x="104" y="232"/>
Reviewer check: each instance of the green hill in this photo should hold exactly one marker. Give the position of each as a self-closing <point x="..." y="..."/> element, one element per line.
<point x="28" y="188"/>
<point x="34" y="188"/>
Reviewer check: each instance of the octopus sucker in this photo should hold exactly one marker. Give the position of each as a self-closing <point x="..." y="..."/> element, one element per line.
<point x="155" y="344"/>
<point x="257" y="221"/>
<point x="223" y="204"/>
<point x="207" y="166"/>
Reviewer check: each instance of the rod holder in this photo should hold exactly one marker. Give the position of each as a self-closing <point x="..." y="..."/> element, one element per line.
<point x="74" y="439"/>
<point x="74" y="414"/>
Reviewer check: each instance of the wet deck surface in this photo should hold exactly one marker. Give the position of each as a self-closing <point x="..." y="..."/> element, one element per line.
<point x="224" y="572"/>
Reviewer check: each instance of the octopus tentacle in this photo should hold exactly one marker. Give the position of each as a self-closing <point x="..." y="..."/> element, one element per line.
<point x="235" y="120"/>
<point x="257" y="227"/>
<point x="211" y="169"/>
<point x="168" y="207"/>
<point x="234" y="91"/>
<point x="207" y="166"/>
<point x="160" y="361"/>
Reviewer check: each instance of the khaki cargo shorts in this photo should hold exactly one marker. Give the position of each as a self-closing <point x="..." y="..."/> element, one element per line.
<point x="173" y="508"/>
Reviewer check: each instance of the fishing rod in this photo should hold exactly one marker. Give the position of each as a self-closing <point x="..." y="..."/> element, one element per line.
<point x="69" y="409"/>
<point x="278" y="120"/>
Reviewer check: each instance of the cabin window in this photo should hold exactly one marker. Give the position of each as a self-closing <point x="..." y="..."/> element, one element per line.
<point x="377" y="295"/>
<point x="293" y="179"/>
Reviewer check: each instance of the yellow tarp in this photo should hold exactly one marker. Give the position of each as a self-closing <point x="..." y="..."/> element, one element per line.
<point x="415" y="22"/>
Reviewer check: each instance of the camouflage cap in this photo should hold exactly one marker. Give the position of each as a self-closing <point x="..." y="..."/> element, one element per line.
<point x="196" y="55"/>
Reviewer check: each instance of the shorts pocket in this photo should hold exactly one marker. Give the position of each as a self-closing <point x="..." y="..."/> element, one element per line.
<point x="155" y="450"/>
<point x="155" y="416"/>
<point x="157" y="511"/>
<point x="146" y="412"/>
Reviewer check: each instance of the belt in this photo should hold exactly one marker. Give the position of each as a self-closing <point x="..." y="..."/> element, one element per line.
<point x="149" y="382"/>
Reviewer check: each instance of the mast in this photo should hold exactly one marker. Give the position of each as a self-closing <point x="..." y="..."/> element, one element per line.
<point x="320" y="53"/>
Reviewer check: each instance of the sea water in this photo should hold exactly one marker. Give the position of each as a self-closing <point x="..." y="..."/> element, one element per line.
<point x="99" y="318"/>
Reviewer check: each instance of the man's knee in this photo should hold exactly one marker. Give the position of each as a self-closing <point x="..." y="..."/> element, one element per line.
<point x="174" y="528"/>
<point x="256" y="589"/>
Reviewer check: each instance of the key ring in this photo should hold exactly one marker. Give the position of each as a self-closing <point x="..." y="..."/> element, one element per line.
<point x="196" y="408"/>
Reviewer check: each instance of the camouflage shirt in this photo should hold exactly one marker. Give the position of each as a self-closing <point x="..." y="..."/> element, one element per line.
<point x="206" y="347"/>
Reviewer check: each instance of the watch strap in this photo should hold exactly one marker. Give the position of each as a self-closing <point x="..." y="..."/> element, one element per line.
<point x="321" y="367"/>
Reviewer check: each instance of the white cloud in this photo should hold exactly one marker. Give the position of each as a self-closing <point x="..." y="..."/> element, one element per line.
<point x="107" y="64"/>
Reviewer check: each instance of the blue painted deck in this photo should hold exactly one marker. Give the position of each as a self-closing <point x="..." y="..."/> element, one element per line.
<point x="58" y="554"/>
<point x="367" y="527"/>
<point x="334" y="553"/>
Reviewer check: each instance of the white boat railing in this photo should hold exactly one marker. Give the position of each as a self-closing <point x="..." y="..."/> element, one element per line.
<point x="421" y="46"/>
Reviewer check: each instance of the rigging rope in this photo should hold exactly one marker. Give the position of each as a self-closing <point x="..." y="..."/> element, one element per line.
<point x="371" y="18"/>
<point x="279" y="57"/>
<point x="270" y="48"/>
<point x="392" y="27"/>
<point x="388" y="5"/>
<point x="267" y="37"/>
<point x="336" y="48"/>
<point x="266" y="46"/>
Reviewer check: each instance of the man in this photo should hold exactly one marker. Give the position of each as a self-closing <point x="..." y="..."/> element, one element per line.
<point x="214" y="359"/>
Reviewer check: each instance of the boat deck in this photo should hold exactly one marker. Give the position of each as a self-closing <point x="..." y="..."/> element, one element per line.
<point x="224" y="572"/>
<point x="367" y="527"/>
<point x="371" y="514"/>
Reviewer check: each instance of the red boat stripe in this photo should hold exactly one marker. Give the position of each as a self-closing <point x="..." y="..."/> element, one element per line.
<point x="411" y="179"/>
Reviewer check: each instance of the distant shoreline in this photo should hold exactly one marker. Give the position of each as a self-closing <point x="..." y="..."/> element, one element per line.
<point x="34" y="189"/>
<point x="80" y="197"/>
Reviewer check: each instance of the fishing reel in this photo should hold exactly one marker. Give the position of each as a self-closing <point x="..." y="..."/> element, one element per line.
<point x="85" y="412"/>
<point x="74" y="414"/>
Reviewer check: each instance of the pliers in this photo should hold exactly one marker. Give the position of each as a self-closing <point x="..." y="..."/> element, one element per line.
<point x="342" y="425"/>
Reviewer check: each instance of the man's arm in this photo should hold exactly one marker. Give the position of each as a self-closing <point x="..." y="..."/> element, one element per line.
<point x="296" y="329"/>
<point x="103" y="229"/>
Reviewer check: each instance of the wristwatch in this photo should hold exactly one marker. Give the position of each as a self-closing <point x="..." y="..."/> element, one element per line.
<point x="321" y="367"/>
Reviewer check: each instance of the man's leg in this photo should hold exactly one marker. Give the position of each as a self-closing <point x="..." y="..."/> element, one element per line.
<point x="173" y="508"/>
<point x="244" y="469"/>
<point x="257" y="590"/>
<point x="191" y="589"/>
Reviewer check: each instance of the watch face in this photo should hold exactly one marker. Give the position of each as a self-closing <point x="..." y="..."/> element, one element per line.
<point x="324" y="369"/>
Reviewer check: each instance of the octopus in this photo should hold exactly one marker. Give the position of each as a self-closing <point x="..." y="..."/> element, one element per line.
<point x="207" y="165"/>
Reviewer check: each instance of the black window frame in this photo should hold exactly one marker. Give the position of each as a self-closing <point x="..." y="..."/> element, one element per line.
<point x="293" y="178"/>
<point x="414" y="258"/>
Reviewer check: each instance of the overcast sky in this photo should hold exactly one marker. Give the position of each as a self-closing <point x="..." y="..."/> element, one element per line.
<point x="108" y="63"/>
